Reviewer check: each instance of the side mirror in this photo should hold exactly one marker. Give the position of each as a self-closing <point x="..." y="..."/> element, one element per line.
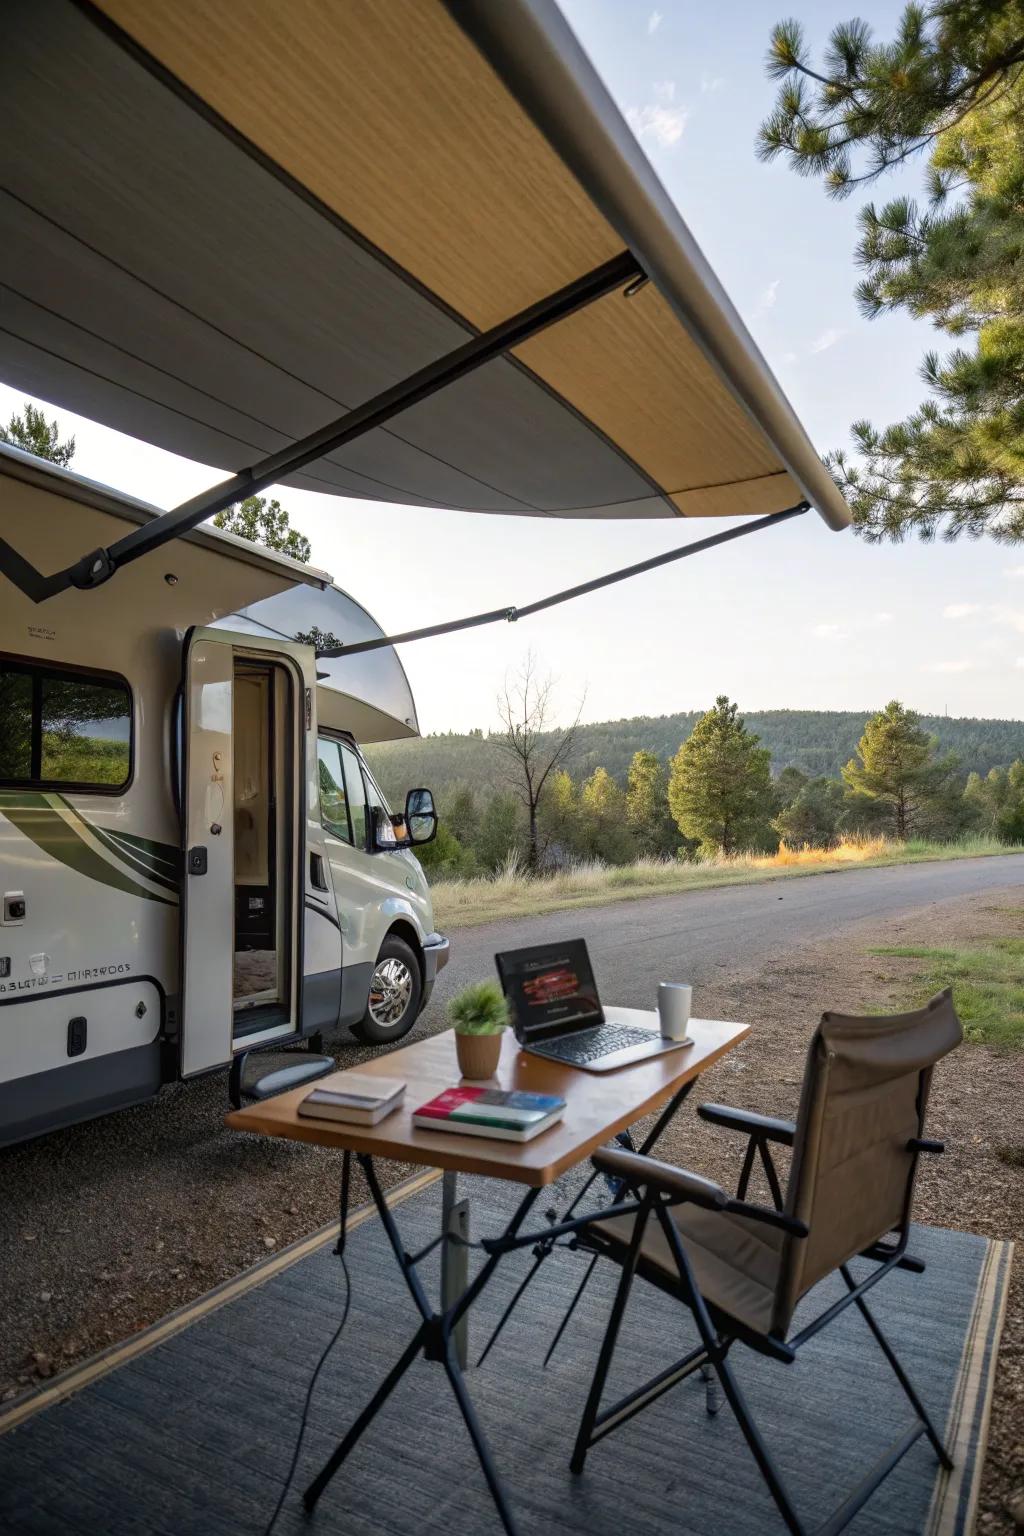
<point x="420" y="816"/>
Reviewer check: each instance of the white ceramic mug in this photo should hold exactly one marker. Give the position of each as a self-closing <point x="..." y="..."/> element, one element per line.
<point x="674" y="998"/>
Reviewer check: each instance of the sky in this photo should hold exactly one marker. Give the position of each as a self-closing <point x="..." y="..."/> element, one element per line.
<point x="797" y="617"/>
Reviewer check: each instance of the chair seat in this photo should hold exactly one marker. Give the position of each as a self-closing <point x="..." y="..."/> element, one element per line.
<point x="735" y="1261"/>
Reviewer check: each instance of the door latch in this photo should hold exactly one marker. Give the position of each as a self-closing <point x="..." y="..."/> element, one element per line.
<point x="197" y="861"/>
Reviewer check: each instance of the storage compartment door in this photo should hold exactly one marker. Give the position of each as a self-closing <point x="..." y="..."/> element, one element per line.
<point x="208" y="923"/>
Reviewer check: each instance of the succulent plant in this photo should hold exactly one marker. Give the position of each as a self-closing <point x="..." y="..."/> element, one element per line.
<point x="479" y="1009"/>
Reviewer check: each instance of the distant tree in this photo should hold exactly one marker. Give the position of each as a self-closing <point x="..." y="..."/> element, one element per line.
<point x="501" y="832"/>
<point x="267" y="523"/>
<point x="720" y="785"/>
<point x="532" y="748"/>
<point x="462" y="815"/>
<point x="559" y="821"/>
<point x="445" y="858"/>
<point x="898" y="769"/>
<point x="811" y="819"/>
<point x="786" y="786"/>
<point x="605" y="831"/>
<point x="996" y="802"/>
<point x="951" y="82"/>
<point x="32" y="432"/>
<point x="647" y="813"/>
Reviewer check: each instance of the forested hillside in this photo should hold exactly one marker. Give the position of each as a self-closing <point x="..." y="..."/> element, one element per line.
<point x="814" y="741"/>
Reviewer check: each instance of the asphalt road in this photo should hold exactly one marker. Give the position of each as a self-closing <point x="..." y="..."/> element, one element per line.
<point x="696" y="935"/>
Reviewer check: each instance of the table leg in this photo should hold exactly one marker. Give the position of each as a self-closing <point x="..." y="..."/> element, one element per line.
<point x="455" y="1259"/>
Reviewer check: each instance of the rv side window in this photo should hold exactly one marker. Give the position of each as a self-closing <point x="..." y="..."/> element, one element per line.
<point x="333" y="801"/>
<point x="63" y="728"/>
<point x="356" y="795"/>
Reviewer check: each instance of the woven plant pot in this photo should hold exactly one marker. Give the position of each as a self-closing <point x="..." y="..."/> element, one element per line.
<point x="478" y="1055"/>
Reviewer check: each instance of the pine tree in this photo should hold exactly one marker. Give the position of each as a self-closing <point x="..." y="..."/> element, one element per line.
<point x="719" y="787"/>
<point x="951" y="83"/>
<point x="898" y="771"/>
<point x="32" y="432"/>
<point x="267" y="523"/>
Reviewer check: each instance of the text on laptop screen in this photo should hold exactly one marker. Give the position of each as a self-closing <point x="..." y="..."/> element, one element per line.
<point x="549" y="987"/>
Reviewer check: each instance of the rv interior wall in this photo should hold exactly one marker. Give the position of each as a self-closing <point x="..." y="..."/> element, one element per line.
<point x="262" y="718"/>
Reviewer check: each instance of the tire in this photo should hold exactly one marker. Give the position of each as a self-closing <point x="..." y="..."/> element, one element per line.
<point x="396" y="987"/>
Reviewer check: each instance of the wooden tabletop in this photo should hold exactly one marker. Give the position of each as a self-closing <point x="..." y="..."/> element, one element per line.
<point x="597" y="1104"/>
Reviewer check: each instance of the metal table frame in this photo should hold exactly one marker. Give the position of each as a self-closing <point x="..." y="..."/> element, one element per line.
<point x="442" y="1335"/>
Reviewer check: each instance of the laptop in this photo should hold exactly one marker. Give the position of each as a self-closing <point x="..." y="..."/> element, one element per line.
<point x="557" y="1013"/>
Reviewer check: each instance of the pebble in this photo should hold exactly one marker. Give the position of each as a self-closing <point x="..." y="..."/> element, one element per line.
<point x="45" y="1295"/>
<point x="270" y="1242"/>
<point x="42" y="1363"/>
<point x="1014" y="1507"/>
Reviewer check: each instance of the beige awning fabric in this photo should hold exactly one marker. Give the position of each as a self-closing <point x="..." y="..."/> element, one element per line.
<point x="225" y="222"/>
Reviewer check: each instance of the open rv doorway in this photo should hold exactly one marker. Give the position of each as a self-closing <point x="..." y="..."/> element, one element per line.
<point x="242" y="842"/>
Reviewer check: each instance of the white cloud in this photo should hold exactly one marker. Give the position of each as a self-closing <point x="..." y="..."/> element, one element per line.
<point x="789" y="357"/>
<point x="826" y="339"/>
<point x="661" y="119"/>
<point x="948" y="666"/>
<point x="1013" y="617"/>
<point x="654" y="21"/>
<point x="829" y="631"/>
<point x="877" y="620"/>
<point x="1019" y="662"/>
<point x="770" y="295"/>
<point x="960" y="610"/>
<point x="1014" y="570"/>
<point x="709" y="83"/>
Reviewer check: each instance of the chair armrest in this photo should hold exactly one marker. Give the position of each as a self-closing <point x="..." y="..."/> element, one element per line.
<point x="750" y="1124"/>
<point x="636" y="1170"/>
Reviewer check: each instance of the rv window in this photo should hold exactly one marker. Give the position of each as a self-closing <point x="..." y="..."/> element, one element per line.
<point x="63" y="728"/>
<point x="333" y="808"/>
<point x="356" y="796"/>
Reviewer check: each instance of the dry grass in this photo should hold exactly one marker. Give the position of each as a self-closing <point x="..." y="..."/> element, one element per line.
<point x="512" y="893"/>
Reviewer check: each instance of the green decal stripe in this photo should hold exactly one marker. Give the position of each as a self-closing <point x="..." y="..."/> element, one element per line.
<point x="159" y="856"/>
<point x="42" y="825"/>
<point x="129" y="859"/>
<point x="128" y="864"/>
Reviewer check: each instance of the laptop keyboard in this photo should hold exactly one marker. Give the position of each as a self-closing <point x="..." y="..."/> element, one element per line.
<point x="592" y="1044"/>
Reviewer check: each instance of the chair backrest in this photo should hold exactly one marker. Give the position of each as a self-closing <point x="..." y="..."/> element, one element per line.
<point x="864" y="1096"/>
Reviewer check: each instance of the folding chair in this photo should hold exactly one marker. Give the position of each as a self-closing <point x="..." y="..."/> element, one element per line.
<point x="741" y="1269"/>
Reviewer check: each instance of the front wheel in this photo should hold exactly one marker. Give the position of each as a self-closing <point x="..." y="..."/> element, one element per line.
<point x="393" y="1003"/>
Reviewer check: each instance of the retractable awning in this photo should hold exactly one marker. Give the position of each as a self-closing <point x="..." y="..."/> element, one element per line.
<point x="407" y="251"/>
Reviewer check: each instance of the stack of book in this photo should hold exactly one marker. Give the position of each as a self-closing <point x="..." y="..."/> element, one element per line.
<point x="355" y="1098"/>
<point x="506" y="1114"/>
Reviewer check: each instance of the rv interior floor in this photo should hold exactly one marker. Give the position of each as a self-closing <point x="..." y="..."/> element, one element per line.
<point x="255" y="977"/>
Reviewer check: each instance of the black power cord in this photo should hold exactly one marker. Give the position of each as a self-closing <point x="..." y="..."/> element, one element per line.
<point x="309" y="1398"/>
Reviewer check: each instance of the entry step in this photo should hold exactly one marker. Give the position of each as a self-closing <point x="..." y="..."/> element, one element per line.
<point x="278" y="1079"/>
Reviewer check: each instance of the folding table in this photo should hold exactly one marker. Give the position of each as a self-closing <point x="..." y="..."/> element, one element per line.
<point x="598" y="1107"/>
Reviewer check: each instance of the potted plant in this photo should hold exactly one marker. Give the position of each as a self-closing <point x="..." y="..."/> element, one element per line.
<point x="479" y="1015"/>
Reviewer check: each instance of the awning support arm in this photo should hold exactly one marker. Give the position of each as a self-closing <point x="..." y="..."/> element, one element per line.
<point x="512" y="614"/>
<point x="95" y="568"/>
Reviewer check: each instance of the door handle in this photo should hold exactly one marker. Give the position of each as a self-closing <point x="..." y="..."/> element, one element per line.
<point x="317" y="878"/>
<point x="197" y="861"/>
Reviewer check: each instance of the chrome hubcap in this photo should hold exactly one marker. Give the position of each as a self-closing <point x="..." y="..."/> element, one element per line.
<point x="390" y="991"/>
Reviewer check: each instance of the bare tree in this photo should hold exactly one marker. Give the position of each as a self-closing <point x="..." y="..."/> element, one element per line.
<point x="534" y="748"/>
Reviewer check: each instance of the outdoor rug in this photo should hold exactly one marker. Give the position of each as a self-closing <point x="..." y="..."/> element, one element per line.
<point x="194" y="1432"/>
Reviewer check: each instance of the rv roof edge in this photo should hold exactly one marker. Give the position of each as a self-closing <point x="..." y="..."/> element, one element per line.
<point x="535" y="53"/>
<point x="19" y="465"/>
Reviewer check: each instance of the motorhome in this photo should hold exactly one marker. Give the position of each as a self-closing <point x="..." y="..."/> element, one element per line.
<point x="195" y="730"/>
<point x="406" y="253"/>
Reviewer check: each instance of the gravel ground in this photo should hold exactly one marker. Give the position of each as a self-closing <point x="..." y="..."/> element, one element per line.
<point x="105" y="1227"/>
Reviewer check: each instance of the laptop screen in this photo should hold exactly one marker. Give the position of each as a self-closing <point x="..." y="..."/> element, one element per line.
<point x="550" y="989"/>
